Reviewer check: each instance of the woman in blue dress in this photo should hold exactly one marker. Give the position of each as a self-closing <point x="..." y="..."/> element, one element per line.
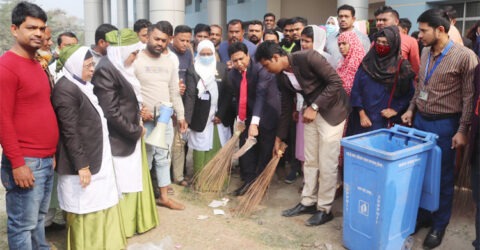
<point x="377" y="98"/>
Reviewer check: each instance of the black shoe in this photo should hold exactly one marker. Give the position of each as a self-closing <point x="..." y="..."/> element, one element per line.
<point x="242" y="189"/>
<point x="54" y="227"/>
<point x="291" y="177"/>
<point x="422" y="223"/>
<point x="319" y="218"/>
<point x="299" y="209"/>
<point x="433" y="239"/>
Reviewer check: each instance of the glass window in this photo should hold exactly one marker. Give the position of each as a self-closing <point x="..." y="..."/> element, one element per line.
<point x="473" y="9"/>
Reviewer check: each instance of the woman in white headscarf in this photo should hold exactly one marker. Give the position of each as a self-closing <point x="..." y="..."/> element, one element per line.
<point x="331" y="25"/>
<point x="119" y="94"/>
<point x="207" y="105"/>
<point x="87" y="189"/>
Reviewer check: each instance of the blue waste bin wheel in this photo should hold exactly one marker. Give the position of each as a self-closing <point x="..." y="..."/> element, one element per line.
<point x="408" y="243"/>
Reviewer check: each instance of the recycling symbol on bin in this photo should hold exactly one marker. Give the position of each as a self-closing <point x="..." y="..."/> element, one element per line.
<point x="363" y="207"/>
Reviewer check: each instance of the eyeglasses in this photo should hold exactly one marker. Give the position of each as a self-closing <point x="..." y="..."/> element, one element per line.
<point x="92" y="64"/>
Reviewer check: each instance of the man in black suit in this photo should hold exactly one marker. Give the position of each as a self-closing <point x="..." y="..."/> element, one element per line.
<point x="260" y="114"/>
<point x="309" y="73"/>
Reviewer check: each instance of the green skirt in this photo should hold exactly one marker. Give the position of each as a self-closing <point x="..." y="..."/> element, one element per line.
<point x="201" y="158"/>
<point x="98" y="230"/>
<point x="139" y="211"/>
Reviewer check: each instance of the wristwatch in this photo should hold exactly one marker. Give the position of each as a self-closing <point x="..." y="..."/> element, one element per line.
<point x="314" y="107"/>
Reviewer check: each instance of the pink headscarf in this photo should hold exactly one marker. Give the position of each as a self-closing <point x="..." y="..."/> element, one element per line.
<point x="350" y="63"/>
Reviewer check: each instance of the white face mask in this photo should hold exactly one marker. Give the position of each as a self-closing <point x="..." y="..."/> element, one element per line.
<point x="330" y="29"/>
<point x="206" y="60"/>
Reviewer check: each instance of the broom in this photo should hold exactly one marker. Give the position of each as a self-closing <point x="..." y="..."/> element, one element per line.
<point x="462" y="197"/>
<point x="258" y="189"/>
<point x="216" y="172"/>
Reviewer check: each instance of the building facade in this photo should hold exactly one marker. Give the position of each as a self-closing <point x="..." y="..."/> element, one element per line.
<point x="191" y="12"/>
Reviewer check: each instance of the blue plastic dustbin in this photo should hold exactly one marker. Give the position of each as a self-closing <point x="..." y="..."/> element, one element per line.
<point x="383" y="181"/>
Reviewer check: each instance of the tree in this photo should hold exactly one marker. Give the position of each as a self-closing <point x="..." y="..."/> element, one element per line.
<point x="58" y="21"/>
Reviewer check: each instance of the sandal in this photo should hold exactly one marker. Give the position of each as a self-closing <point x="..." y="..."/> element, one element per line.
<point x="170" y="204"/>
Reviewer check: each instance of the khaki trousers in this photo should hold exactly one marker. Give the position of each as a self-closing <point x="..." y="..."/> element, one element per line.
<point x="322" y="147"/>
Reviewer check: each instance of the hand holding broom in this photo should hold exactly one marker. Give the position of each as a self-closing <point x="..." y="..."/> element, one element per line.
<point x="213" y="176"/>
<point x="258" y="189"/>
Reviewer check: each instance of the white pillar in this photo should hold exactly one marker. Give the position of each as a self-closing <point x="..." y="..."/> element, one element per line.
<point x="93" y="14"/>
<point x="107" y="11"/>
<point x="168" y="10"/>
<point x="141" y="9"/>
<point x="122" y="14"/>
<point x="361" y="7"/>
<point x="217" y="12"/>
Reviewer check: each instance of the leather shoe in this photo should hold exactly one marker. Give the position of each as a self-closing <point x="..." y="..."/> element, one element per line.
<point x="319" y="218"/>
<point x="242" y="189"/>
<point x="433" y="239"/>
<point x="422" y="223"/>
<point x="299" y="209"/>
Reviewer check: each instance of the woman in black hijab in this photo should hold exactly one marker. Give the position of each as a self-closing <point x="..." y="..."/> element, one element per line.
<point x="383" y="85"/>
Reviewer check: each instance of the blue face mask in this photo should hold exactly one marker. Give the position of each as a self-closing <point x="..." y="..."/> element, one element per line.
<point x="206" y="60"/>
<point x="330" y="29"/>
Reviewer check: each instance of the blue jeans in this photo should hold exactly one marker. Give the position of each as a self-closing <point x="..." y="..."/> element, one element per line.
<point x="445" y="129"/>
<point x="26" y="208"/>
<point x="159" y="158"/>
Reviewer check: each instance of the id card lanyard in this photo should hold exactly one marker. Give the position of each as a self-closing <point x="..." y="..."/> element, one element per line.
<point x="428" y="74"/>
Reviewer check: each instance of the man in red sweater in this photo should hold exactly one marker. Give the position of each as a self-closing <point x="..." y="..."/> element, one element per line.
<point x="28" y="131"/>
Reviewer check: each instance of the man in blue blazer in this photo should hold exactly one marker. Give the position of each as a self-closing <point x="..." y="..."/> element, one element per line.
<point x="262" y="111"/>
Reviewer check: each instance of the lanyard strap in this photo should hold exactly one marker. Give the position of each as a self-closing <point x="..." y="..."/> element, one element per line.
<point x="428" y="74"/>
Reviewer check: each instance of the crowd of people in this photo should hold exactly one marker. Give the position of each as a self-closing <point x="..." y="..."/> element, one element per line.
<point x="73" y="122"/>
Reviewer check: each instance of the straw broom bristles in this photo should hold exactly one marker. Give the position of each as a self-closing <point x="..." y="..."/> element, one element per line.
<point x="462" y="198"/>
<point x="255" y="193"/>
<point x="213" y="176"/>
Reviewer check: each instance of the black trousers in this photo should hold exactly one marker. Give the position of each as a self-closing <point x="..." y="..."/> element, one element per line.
<point x="253" y="162"/>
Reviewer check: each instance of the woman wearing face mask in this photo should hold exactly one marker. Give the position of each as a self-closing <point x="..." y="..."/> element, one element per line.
<point x="383" y="85"/>
<point x="207" y="105"/>
<point x="87" y="189"/>
<point x="332" y="25"/>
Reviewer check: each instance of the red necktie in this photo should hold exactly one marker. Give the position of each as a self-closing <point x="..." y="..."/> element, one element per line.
<point x="476" y="108"/>
<point x="242" y="107"/>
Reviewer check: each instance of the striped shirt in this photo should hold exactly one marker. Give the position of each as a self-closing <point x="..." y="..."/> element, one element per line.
<point x="450" y="88"/>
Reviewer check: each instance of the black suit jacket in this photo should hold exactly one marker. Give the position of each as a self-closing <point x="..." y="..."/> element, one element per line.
<point x="263" y="96"/>
<point x="197" y="110"/>
<point x="320" y="84"/>
<point x="120" y="105"/>
<point x="81" y="142"/>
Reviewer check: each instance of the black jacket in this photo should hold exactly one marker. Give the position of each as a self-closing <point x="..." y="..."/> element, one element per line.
<point x="197" y="110"/>
<point x="81" y="142"/>
<point x="120" y="105"/>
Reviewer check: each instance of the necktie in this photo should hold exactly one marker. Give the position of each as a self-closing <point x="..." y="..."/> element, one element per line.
<point x="242" y="107"/>
<point x="477" y="107"/>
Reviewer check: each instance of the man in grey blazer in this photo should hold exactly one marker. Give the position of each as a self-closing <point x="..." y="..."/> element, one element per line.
<point x="327" y="107"/>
